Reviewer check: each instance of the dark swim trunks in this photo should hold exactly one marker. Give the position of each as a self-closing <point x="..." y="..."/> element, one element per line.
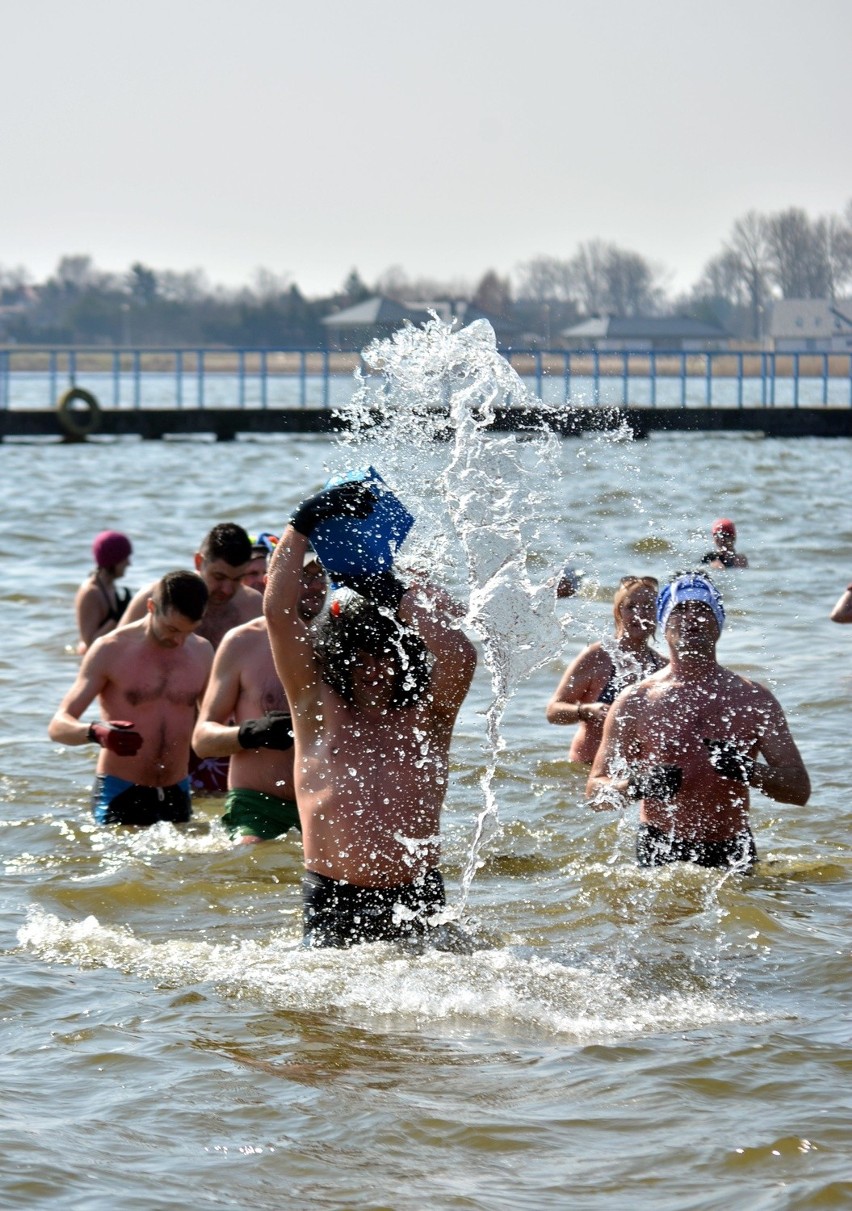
<point x="256" y="814"/>
<point x="340" y="914"/>
<point x="117" y="801"/>
<point x="657" y="848"/>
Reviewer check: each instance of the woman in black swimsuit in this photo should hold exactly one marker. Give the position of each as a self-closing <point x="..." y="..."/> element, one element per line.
<point x="100" y="603"/>
<point x="601" y="671"/>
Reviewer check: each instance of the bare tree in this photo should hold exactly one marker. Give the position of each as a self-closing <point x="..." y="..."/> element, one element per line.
<point x="394" y="283"/>
<point x="76" y="272"/>
<point x="836" y="233"/>
<point x="749" y="244"/>
<point x="546" y="279"/>
<point x="608" y="280"/>
<point x="631" y="284"/>
<point x="493" y="294"/>
<point x="723" y="278"/>
<point x="266" y="284"/>
<point x="797" y="255"/>
<point x="186" y="287"/>
<point x="589" y="271"/>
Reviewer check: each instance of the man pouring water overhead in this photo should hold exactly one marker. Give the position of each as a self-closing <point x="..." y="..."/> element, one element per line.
<point x="374" y="686"/>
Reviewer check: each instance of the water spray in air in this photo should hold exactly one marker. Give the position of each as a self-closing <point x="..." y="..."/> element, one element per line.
<point x="483" y="500"/>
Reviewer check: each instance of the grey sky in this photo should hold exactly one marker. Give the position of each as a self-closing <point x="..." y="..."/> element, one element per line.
<point x="447" y="138"/>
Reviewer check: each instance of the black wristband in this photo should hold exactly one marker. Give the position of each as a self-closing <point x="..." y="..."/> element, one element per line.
<point x="90" y="735"/>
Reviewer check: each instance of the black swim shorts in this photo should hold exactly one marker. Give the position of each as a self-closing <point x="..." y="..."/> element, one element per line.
<point x="340" y="914"/>
<point x="117" y="801"/>
<point x="657" y="848"/>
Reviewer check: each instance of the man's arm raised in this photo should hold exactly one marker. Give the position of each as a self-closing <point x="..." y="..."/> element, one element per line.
<point x="291" y="645"/>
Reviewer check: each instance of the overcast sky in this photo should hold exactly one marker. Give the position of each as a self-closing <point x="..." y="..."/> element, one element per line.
<point x="446" y="138"/>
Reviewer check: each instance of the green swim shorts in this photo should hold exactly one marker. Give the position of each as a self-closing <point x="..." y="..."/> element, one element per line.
<point x="256" y="814"/>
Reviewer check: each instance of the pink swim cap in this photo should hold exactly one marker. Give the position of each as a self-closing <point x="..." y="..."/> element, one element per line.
<point x="111" y="547"/>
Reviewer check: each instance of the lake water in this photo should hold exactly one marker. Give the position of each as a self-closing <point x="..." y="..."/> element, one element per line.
<point x="618" y="1038"/>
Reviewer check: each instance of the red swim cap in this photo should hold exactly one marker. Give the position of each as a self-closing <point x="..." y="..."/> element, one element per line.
<point x="724" y="525"/>
<point x="111" y="547"/>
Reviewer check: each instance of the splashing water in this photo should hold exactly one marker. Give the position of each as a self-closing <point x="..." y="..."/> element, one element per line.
<point x="483" y="501"/>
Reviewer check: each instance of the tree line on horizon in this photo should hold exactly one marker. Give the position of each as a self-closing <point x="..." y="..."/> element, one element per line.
<point x="787" y="254"/>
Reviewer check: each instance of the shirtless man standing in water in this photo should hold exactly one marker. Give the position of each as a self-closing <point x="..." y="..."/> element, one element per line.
<point x="685" y="742"/>
<point x="374" y="695"/>
<point x="149" y="678"/>
<point x="221" y="563"/>
<point x="245" y="716"/>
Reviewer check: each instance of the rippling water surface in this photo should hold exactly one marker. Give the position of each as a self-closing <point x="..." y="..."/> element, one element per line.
<point x="613" y="1038"/>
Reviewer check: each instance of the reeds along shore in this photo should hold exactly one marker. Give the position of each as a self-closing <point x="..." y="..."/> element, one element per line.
<point x="318" y="361"/>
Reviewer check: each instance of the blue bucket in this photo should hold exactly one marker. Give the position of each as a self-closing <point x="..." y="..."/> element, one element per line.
<point x="362" y="546"/>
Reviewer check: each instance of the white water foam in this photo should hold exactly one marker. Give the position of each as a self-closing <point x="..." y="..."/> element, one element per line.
<point x="499" y="992"/>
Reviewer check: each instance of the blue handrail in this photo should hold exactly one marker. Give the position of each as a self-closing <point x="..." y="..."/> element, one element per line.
<point x="135" y="378"/>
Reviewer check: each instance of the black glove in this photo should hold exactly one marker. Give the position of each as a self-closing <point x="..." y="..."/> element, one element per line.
<point x="654" y="782"/>
<point x="729" y="760"/>
<point x="343" y="500"/>
<point x="273" y="730"/>
<point x="382" y="588"/>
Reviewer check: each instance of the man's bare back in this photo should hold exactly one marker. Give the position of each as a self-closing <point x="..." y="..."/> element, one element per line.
<point x="370" y="787"/>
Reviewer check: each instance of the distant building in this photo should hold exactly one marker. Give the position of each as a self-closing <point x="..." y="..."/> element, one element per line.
<point x="645" y="332"/>
<point x="354" y="327"/>
<point x="811" y="325"/>
<point x="379" y="317"/>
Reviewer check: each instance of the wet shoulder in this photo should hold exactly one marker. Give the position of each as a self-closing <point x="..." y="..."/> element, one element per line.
<point x="246" y="635"/>
<point x="594" y="658"/>
<point x="249" y="603"/>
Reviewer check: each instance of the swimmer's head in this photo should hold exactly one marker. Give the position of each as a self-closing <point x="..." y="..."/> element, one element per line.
<point x="634" y="602"/>
<point x="227" y="542"/>
<point x="264" y="543"/>
<point x="111" y="548"/>
<point x="353" y="626"/>
<point x="262" y="546"/>
<point x="690" y="586"/>
<point x="723" y="527"/>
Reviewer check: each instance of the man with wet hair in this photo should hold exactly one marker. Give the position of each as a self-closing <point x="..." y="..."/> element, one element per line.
<point x="245" y="716"/>
<point x="685" y="742"/>
<point x="149" y="678"/>
<point x="374" y="694"/>
<point x="221" y="561"/>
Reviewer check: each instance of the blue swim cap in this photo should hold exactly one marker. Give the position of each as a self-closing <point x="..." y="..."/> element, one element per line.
<point x="691" y="587"/>
<point x="264" y="543"/>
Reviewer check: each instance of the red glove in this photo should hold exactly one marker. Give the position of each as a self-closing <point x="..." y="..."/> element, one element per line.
<point x="116" y="735"/>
